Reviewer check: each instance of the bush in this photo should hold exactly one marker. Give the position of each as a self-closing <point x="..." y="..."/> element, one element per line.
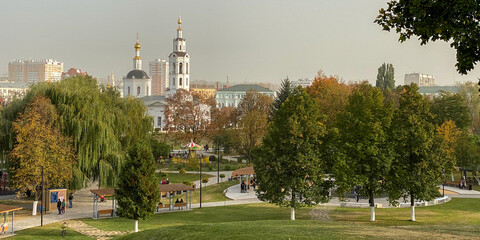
<point x="212" y="158"/>
<point x="162" y="161"/>
<point x="182" y="171"/>
<point x="222" y="176"/>
<point x="163" y="174"/>
<point x="240" y="160"/>
<point x="205" y="180"/>
<point x="179" y="166"/>
<point x="227" y="168"/>
<point x="188" y="183"/>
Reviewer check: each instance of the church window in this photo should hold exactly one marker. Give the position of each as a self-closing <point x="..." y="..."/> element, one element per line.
<point x="180" y="67"/>
<point x="186" y="70"/>
<point x="138" y="90"/>
<point x="180" y="47"/>
<point x="159" y="122"/>
<point x="186" y="81"/>
<point x="180" y="82"/>
<point x="128" y="91"/>
<point x="173" y="68"/>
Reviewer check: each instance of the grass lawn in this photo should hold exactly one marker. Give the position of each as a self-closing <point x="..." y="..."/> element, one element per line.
<point x="48" y="232"/>
<point x="179" y="178"/>
<point x="457" y="219"/>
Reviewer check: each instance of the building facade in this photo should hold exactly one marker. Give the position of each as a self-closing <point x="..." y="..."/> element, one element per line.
<point x="232" y="96"/>
<point x="179" y="63"/>
<point x="137" y="82"/>
<point x="422" y="80"/>
<point x="158" y="70"/>
<point x="305" y="82"/>
<point x="34" y="71"/>
<point x="12" y="90"/>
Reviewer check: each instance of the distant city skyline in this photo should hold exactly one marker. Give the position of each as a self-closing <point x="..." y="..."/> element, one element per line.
<point x="248" y="41"/>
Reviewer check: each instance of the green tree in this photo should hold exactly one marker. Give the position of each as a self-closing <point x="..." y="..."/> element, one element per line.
<point x="290" y="166"/>
<point x="363" y="128"/>
<point x="416" y="169"/>
<point x="286" y="89"/>
<point x="469" y="93"/>
<point x="467" y="152"/>
<point x="100" y="123"/>
<point x="159" y="149"/>
<point x="385" y="77"/>
<point x="138" y="194"/>
<point x="454" y="21"/>
<point x="450" y="106"/>
<point x="252" y="128"/>
<point x="40" y="145"/>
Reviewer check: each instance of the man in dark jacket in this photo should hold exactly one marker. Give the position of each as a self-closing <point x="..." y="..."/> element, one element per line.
<point x="59" y="206"/>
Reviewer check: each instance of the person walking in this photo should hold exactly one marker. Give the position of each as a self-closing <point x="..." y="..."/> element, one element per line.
<point x="59" y="206"/>
<point x="70" y="200"/>
<point x="63" y="206"/>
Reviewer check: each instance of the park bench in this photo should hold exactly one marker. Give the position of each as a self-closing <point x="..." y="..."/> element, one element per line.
<point x="180" y="205"/>
<point x="106" y="211"/>
<point x="162" y="206"/>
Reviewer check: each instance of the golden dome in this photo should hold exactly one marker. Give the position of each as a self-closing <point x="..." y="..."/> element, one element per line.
<point x="137" y="45"/>
<point x="179" y="20"/>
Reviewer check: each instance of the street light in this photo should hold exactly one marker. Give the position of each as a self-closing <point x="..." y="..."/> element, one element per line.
<point x="200" y="182"/>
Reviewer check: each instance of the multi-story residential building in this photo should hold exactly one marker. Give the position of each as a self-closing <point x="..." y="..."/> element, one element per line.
<point x="422" y="80"/>
<point x="12" y="90"/>
<point x="34" y="71"/>
<point x="158" y="70"/>
<point x="302" y="82"/>
<point x="232" y="96"/>
<point x="73" y="72"/>
<point x="435" y="91"/>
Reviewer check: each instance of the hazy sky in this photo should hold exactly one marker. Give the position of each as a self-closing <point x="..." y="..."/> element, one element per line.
<point x="248" y="40"/>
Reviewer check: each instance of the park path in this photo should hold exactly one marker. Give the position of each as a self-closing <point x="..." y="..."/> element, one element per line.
<point x="93" y="232"/>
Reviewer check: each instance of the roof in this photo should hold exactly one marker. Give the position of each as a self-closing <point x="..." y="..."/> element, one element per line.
<point x="14" y="85"/>
<point x="243" y="171"/>
<point x="246" y="87"/>
<point x="8" y="208"/>
<point x="103" y="192"/>
<point x="438" y="89"/>
<point x="174" y="187"/>
<point x="180" y="54"/>
<point x="147" y="100"/>
<point x="137" y="74"/>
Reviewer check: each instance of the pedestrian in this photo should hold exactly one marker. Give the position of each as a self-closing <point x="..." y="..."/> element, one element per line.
<point x="70" y="200"/>
<point x="167" y="181"/>
<point x="163" y="181"/>
<point x="63" y="206"/>
<point x="59" y="206"/>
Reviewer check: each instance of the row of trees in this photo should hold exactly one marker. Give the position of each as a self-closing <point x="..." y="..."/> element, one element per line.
<point x="392" y="141"/>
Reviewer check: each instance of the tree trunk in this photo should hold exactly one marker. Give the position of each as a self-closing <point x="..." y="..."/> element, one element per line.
<point x="136" y="225"/>
<point x="292" y="213"/>
<point x="292" y="206"/>
<point x="372" y="206"/>
<point x="412" y="206"/>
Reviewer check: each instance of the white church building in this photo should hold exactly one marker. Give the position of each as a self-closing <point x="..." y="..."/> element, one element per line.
<point x="137" y="83"/>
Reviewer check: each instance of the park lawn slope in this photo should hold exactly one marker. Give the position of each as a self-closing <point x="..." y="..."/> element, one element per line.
<point x="48" y="232"/>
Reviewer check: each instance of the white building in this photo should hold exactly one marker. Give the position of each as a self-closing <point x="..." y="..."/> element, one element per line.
<point x="156" y="107"/>
<point x="179" y="64"/>
<point x="422" y="80"/>
<point x="302" y="82"/>
<point x="12" y="90"/>
<point x="232" y="96"/>
<point x="158" y="70"/>
<point x="34" y="71"/>
<point x="137" y="82"/>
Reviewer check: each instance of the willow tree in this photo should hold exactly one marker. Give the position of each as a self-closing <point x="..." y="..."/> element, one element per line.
<point x="100" y="123"/>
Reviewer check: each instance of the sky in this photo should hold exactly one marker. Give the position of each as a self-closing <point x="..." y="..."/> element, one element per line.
<point x="246" y="41"/>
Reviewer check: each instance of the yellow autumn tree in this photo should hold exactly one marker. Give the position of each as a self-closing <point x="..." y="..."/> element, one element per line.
<point x="40" y="144"/>
<point x="447" y="135"/>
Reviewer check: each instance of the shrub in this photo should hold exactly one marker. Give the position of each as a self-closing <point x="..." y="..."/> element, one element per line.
<point x="188" y="183"/>
<point x="205" y="180"/>
<point x="227" y="168"/>
<point x="240" y="160"/>
<point x="162" y="161"/>
<point x="179" y="166"/>
<point x="212" y="158"/>
<point x="222" y="176"/>
<point x="182" y="171"/>
<point x="163" y="174"/>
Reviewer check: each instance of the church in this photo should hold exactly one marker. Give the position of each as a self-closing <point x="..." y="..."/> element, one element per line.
<point x="137" y="83"/>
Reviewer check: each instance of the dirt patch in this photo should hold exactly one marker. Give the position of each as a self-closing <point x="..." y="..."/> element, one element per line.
<point x="94" y="232"/>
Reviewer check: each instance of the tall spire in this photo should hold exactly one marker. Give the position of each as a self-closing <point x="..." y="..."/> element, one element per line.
<point x="179" y="23"/>
<point x="137" y="60"/>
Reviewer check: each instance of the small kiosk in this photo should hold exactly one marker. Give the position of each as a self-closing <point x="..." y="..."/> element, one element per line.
<point x="244" y="174"/>
<point x="171" y="190"/>
<point x="52" y="197"/>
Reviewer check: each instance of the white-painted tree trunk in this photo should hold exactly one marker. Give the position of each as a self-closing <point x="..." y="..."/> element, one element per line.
<point x="453" y="179"/>
<point x="292" y="213"/>
<point x="34" y="209"/>
<point x="136" y="225"/>
<point x="372" y="214"/>
<point x="412" y="217"/>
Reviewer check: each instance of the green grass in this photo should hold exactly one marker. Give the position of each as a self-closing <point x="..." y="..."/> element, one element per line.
<point x="48" y="232"/>
<point x="179" y="178"/>
<point x="457" y="219"/>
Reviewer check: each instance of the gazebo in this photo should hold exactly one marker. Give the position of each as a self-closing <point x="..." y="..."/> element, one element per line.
<point x="247" y="172"/>
<point x="170" y="189"/>
<point x="5" y="209"/>
<point x="105" y="192"/>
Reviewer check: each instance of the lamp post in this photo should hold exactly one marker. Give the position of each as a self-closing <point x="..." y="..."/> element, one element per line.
<point x="200" y="182"/>
<point x="43" y="201"/>
<point x="218" y="163"/>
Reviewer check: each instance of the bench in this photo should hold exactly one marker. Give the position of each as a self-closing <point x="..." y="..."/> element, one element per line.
<point x="106" y="211"/>
<point x="162" y="206"/>
<point x="180" y="205"/>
